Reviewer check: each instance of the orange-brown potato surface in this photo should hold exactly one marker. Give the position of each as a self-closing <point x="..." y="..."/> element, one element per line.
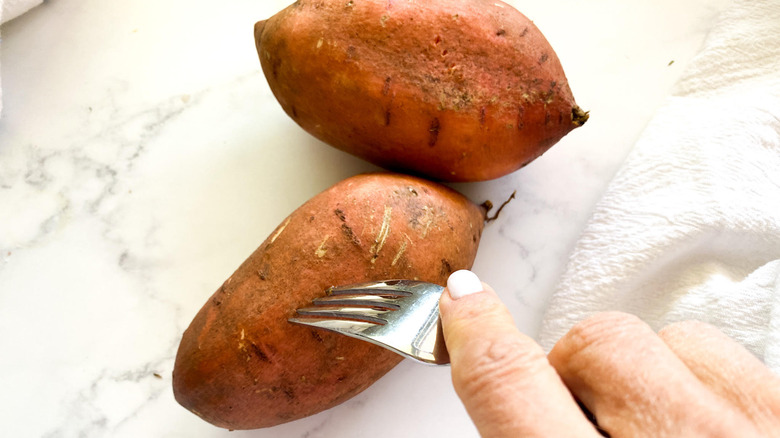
<point x="454" y="90"/>
<point x="242" y="365"/>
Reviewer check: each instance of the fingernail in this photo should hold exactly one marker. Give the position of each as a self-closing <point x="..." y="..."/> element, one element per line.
<point x="462" y="283"/>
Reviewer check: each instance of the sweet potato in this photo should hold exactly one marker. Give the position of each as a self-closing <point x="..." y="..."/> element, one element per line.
<point x="454" y="90"/>
<point x="242" y="365"/>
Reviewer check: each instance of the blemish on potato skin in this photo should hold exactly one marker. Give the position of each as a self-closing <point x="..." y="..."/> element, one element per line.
<point x="263" y="272"/>
<point x="520" y="115"/>
<point x="401" y="250"/>
<point x="446" y="268"/>
<point x="269" y="391"/>
<point x="386" y="87"/>
<point x="280" y="229"/>
<point x="221" y="294"/>
<point x="544" y="58"/>
<point x="316" y="336"/>
<point x="381" y="237"/>
<point x="482" y="114"/>
<point x="259" y="352"/>
<point x="422" y="219"/>
<point x="340" y="214"/>
<point x="350" y="235"/>
<point x="433" y="130"/>
<point x="549" y="96"/>
<point x="385" y="92"/>
<point x="321" y="251"/>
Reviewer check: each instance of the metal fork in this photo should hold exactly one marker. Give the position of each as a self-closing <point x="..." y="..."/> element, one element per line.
<point x="400" y="315"/>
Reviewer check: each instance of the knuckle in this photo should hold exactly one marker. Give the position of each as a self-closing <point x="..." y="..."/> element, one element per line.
<point x="603" y="332"/>
<point x="687" y="330"/>
<point x="498" y="363"/>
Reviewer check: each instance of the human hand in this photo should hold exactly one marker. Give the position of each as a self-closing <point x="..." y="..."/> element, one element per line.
<point x="687" y="380"/>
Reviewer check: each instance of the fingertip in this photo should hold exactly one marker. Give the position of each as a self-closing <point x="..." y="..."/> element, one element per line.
<point x="463" y="282"/>
<point x="457" y="306"/>
<point x="468" y="303"/>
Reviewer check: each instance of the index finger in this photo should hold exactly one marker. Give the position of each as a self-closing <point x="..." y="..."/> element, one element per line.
<point x="502" y="376"/>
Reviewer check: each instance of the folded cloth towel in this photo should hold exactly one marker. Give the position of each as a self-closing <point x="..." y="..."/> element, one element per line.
<point x="10" y="9"/>
<point x="690" y="226"/>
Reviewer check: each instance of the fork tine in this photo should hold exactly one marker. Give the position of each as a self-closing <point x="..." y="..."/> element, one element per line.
<point x="345" y="327"/>
<point x="358" y="300"/>
<point x="354" y="313"/>
<point x="399" y="315"/>
<point x="386" y="288"/>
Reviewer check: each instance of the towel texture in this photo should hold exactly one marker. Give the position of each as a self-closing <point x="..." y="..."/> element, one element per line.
<point x="10" y="9"/>
<point x="690" y="226"/>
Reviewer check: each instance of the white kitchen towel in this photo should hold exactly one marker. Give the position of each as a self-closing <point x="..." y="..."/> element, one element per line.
<point x="10" y="9"/>
<point x="690" y="226"/>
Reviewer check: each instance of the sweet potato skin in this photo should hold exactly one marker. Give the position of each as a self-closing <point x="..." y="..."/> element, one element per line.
<point x="242" y="365"/>
<point x="454" y="90"/>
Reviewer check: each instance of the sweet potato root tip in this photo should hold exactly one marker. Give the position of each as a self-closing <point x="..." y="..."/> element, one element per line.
<point x="487" y="205"/>
<point x="578" y="116"/>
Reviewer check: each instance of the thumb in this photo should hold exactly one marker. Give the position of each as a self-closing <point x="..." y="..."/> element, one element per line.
<point x="502" y="376"/>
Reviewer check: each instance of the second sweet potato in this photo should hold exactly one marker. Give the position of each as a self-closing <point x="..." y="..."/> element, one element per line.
<point x="455" y="90"/>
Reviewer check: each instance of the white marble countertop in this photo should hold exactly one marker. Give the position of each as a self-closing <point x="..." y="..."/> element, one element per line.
<point x="143" y="158"/>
